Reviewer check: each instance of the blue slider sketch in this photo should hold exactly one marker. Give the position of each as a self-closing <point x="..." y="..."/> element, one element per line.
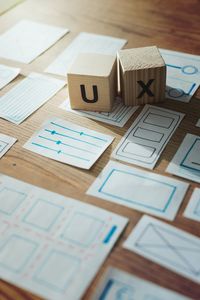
<point x="188" y="69"/>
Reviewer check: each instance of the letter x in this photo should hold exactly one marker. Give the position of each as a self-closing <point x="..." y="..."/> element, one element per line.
<point x="145" y="88"/>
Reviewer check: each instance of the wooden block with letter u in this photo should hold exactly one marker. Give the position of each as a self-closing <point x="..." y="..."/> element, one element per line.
<point x="92" y="82"/>
<point x="142" y="75"/>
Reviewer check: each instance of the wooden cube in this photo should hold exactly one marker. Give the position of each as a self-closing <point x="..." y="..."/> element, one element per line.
<point x="142" y="75"/>
<point x="92" y="82"/>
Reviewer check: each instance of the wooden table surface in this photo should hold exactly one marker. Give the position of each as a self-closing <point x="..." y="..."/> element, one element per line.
<point x="168" y="24"/>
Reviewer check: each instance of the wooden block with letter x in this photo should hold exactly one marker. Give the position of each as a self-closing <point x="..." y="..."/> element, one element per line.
<point x="92" y="82"/>
<point x="142" y="75"/>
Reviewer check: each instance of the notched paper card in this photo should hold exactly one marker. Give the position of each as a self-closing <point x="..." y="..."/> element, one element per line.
<point x="147" y="137"/>
<point x="7" y="74"/>
<point x="84" y="43"/>
<point x="27" y="96"/>
<point x="166" y="245"/>
<point x="50" y="244"/>
<point x="141" y="190"/>
<point x="119" y="285"/>
<point x="198" y="123"/>
<point x="27" y="40"/>
<point x="119" y="115"/>
<point x="183" y="74"/>
<point x="186" y="161"/>
<point x="6" y="143"/>
<point x="69" y="143"/>
<point x="192" y="210"/>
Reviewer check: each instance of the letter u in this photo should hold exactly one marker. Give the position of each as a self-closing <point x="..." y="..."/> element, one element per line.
<point x="84" y="97"/>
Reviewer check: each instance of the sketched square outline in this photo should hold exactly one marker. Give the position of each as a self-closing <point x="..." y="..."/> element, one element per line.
<point x="174" y="188"/>
<point x="17" y="206"/>
<point x="5" y="145"/>
<point x="28" y="257"/>
<point x="108" y="285"/>
<point x="24" y="219"/>
<point x="186" y="155"/>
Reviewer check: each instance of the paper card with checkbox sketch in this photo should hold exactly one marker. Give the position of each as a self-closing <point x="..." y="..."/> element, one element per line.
<point x="69" y="143"/>
<point x="7" y="74"/>
<point x="145" y="140"/>
<point x="183" y="74"/>
<point x="192" y="210"/>
<point x="27" y="96"/>
<point x="51" y="245"/>
<point x="119" y="285"/>
<point x="166" y="245"/>
<point x="119" y="115"/>
<point x="147" y="192"/>
<point x="84" y="43"/>
<point x="30" y="39"/>
<point x="6" y="142"/>
<point x="186" y="161"/>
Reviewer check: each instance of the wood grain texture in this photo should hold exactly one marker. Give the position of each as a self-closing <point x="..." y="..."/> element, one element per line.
<point x="167" y="24"/>
<point x="142" y="75"/>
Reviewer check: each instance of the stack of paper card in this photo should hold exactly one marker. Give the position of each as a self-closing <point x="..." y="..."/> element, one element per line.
<point x="7" y="74"/>
<point x="119" y="115"/>
<point x="52" y="245"/>
<point x="6" y="143"/>
<point x="30" y="39"/>
<point x="182" y="74"/>
<point x="84" y="43"/>
<point x="192" y="210"/>
<point x="69" y="143"/>
<point x="27" y="96"/>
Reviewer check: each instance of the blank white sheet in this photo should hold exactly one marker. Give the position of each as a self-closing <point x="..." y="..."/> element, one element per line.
<point x="7" y="74"/>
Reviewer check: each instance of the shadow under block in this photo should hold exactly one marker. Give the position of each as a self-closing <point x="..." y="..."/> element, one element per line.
<point x="142" y="75"/>
<point x="92" y="82"/>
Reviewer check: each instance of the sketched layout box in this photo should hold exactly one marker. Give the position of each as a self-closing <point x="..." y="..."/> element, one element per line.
<point x="43" y="214"/>
<point x="16" y="260"/>
<point x="85" y="234"/>
<point x="57" y="278"/>
<point x="10" y="200"/>
<point x="3" y="145"/>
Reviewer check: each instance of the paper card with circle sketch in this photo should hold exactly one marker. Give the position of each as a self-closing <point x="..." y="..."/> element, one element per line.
<point x="85" y="43"/>
<point x="147" y="192"/>
<point x="183" y="74"/>
<point x="50" y="244"/>
<point x="166" y="245"/>
<point x="69" y="143"/>
<point x="192" y="210"/>
<point x="30" y="39"/>
<point x="7" y="74"/>
<point x="119" y="115"/>
<point x="6" y="143"/>
<point x="186" y="161"/>
<point x="119" y="285"/>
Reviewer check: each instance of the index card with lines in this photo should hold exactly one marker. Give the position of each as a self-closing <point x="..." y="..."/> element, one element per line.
<point x="147" y="137"/>
<point x="166" y="245"/>
<point x="55" y="254"/>
<point x="69" y="143"/>
<point x="27" y="96"/>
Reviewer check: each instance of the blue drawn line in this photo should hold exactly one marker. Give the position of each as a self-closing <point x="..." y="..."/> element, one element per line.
<point x="182" y="164"/>
<point x="174" y="188"/>
<point x="110" y="234"/>
<point x="53" y="132"/>
<point x="192" y="87"/>
<point x="61" y="143"/>
<point x="107" y="288"/>
<point x="81" y="133"/>
<point x="197" y="209"/>
<point x="172" y="66"/>
<point x="59" y="151"/>
<point x="19" y="198"/>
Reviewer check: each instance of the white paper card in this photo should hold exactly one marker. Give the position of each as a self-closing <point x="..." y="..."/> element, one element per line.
<point x="6" y="143"/>
<point x="50" y="244"/>
<point x="198" y="123"/>
<point x="69" y="143"/>
<point x="192" y="210"/>
<point x="147" y="192"/>
<point x="183" y="74"/>
<point x="147" y="137"/>
<point x="84" y="43"/>
<point x="7" y="74"/>
<point x="166" y="245"/>
<point x="119" y="115"/>
<point x="186" y="161"/>
<point x="119" y="285"/>
<point x="27" y="40"/>
<point x="27" y="96"/>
